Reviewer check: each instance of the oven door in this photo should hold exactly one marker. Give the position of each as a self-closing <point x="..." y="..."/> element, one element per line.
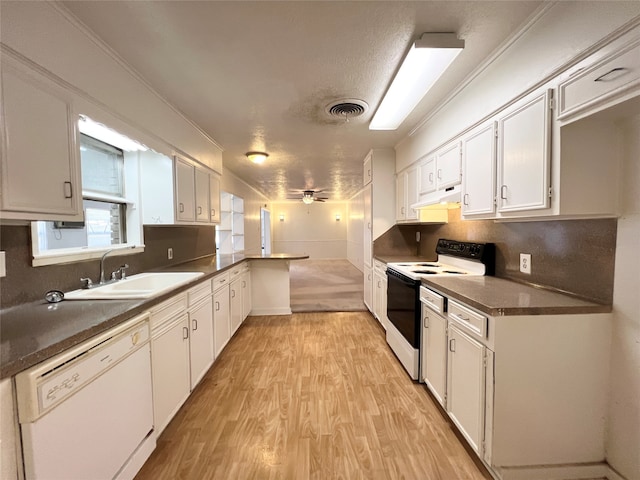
<point x="403" y="306"/>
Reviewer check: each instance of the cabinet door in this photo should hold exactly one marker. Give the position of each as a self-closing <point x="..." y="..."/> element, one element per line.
<point x="202" y="196"/>
<point x="377" y="287"/>
<point x="214" y="198"/>
<point x="479" y="165"/>
<point x="383" y="303"/>
<point x="412" y="193"/>
<point x="235" y="293"/>
<point x="221" y="321"/>
<point x="401" y="196"/>
<point x="367" y="173"/>
<point x="368" y="232"/>
<point x="201" y="343"/>
<point x="246" y="295"/>
<point x="368" y="284"/>
<point x="448" y="166"/>
<point x="185" y="191"/>
<point x="40" y="152"/>
<point x="466" y="386"/>
<point x="170" y="371"/>
<point x="524" y="156"/>
<point x="427" y="176"/>
<point x="434" y="357"/>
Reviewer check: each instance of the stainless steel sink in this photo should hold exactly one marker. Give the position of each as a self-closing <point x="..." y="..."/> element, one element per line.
<point x="143" y="285"/>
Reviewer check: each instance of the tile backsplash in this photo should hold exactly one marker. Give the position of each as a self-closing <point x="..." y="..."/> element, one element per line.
<point x="575" y="256"/>
<point x="25" y="283"/>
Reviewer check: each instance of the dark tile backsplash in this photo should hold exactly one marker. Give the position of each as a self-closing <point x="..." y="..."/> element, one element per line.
<point x="25" y="283"/>
<point x="575" y="256"/>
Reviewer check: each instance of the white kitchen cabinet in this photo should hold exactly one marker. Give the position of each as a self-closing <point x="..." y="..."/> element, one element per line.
<point x="235" y="299"/>
<point x="434" y="356"/>
<point x="214" y="198"/>
<point x="40" y="150"/>
<point x="479" y="166"/>
<point x="246" y="291"/>
<point x="524" y="155"/>
<point x="380" y="293"/>
<point x="201" y="350"/>
<point x="185" y="191"/>
<point x="9" y="453"/>
<point x="202" y="197"/>
<point x="367" y="175"/>
<point x="368" y="287"/>
<point x="169" y="359"/>
<point x="368" y="225"/>
<point x="427" y="176"/>
<point x="407" y="194"/>
<point x="448" y="166"/>
<point x="221" y="312"/>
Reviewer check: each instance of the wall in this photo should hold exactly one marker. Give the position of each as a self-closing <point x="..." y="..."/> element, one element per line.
<point x="253" y="201"/>
<point x="310" y="229"/>
<point x="564" y="30"/>
<point x="355" y="231"/>
<point x="623" y="434"/>
<point x="25" y="283"/>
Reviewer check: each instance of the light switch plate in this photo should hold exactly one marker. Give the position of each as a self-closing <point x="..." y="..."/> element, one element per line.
<point x="3" y="265"/>
<point x="525" y="263"/>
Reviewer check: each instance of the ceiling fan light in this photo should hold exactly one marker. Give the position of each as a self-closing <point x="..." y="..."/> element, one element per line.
<point x="257" y="157"/>
<point x="307" y="199"/>
<point x="425" y="62"/>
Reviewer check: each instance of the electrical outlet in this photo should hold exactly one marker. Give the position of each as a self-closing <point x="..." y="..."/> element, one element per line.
<point x="170" y="253"/>
<point x="525" y="263"/>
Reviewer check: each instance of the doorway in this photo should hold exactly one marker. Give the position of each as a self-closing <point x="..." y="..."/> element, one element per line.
<point x="265" y="231"/>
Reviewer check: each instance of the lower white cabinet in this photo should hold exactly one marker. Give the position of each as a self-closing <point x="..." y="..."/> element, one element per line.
<point x="368" y="286"/>
<point x="236" y="303"/>
<point x="247" y="303"/>
<point x="201" y="353"/>
<point x="221" y="314"/>
<point x="466" y="386"/>
<point x="434" y="357"/>
<point x="379" y="293"/>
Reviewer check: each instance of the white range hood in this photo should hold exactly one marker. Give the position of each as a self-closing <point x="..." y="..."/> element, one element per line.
<point x="439" y="197"/>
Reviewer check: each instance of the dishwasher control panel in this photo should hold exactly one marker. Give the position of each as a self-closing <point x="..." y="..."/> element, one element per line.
<point x="42" y="387"/>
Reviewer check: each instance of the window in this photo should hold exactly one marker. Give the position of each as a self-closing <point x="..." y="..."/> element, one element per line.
<point x="105" y="205"/>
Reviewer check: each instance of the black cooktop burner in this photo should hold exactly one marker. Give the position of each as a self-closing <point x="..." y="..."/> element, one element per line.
<point x="428" y="264"/>
<point x="454" y="272"/>
<point x="425" y="272"/>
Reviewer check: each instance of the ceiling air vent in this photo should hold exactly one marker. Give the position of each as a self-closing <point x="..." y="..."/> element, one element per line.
<point x="346" y="108"/>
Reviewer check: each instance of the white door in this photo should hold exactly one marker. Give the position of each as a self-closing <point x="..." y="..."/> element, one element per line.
<point x="221" y="324"/>
<point x="202" y="196"/>
<point x="201" y="342"/>
<point x="185" y="191"/>
<point x="448" y="166"/>
<point x="265" y="230"/>
<point x="434" y="353"/>
<point x="466" y="386"/>
<point x="524" y="156"/>
<point x="479" y="165"/>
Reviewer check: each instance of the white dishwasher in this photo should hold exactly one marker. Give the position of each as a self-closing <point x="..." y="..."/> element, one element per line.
<point x="88" y="413"/>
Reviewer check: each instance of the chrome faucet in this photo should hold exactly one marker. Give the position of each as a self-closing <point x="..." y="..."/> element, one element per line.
<point x="102" y="280"/>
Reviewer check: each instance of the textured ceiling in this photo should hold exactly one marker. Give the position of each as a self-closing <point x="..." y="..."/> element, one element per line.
<point x="258" y="75"/>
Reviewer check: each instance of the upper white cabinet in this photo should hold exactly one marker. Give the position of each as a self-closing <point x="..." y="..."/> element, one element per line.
<point x="40" y="154"/>
<point x="448" y="166"/>
<point x="367" y="174"/>
<point x="407" y="194"/>
<point x="177" y="191"/>
<point x="427" y="176"/>
<point x="524" y="155"/>
<point x="479" y="166"/>
<point x="368" y="234"/>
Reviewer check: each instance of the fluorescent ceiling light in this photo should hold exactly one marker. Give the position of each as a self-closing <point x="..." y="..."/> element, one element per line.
<point x="107" y="135"/>
<point x="426" y="61"/>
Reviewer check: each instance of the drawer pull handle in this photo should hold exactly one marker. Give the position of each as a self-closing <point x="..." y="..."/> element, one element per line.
<point x="503" y="192"/>
<point x="199" y="210"/>
<point x="430" y="177"/>
<point x="195" y="324"/>
<point x="181" y="205"/>
<point x="440" y="173"/>
<point x="603" y="77"/>
<point x="185" y="333"/>
<point x="465" y="199"/>
<point x="425" y="322"/>
<point x="217" y="306"/>
<point x="68" y="190"/>
<point x="452" y="345"/>
<point x="233" y="294"/>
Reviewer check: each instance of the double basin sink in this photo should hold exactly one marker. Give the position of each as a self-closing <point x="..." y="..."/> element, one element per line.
<point x="142" y="285"/>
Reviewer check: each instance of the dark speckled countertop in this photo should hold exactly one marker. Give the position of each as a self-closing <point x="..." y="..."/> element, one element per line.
<point x="500" y="297"/>
<point x="36" y="331"/>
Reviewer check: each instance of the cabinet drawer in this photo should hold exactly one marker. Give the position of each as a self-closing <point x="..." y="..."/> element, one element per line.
<point x="468" y="319"/>
<point x="380" y="267"/>
<point x="245" y="267"/>
<point x="199" y="292"/>
<point x="168" y="310"/>
<point x="220" y="280"/>
<point x="234" y="272"/>
<point x="606" y="78"/>
<point x="432" y="300"/>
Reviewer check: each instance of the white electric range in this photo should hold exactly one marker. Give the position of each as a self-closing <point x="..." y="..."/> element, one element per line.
<point x="403" y="297"/>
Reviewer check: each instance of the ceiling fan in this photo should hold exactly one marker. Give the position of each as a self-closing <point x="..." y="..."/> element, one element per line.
<point x="309" y="196"/>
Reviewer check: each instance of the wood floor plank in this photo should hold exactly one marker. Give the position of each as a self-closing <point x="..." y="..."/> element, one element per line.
<point x="310" y="396"/>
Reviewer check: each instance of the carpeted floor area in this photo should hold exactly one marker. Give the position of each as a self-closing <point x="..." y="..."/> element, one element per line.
<point x="326" y="286"/>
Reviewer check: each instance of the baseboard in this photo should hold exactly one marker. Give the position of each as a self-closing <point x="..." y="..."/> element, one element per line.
<point x="613" y="475"/>
<point x="557" y="472"/>
<point x="270" y="311"/>
<point x="138" y="458"/>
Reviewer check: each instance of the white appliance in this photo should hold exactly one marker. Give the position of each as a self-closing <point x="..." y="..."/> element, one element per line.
<point x="403" y="296"/>
<point x="88" y="413"/>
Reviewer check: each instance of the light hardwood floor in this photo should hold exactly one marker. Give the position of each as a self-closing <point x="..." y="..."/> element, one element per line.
<point x="309" y="396"/>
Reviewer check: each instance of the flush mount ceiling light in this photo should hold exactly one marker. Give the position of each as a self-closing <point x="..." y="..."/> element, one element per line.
<point x="427" y="59"/>
<point x="257" y="157"/>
